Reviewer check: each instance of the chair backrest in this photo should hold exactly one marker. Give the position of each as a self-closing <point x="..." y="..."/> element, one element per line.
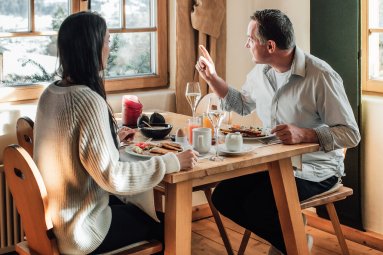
<point x="24" y="131"/>
<point x="30" y="196"/>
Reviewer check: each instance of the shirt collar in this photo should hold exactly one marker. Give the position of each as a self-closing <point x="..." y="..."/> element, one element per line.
<point x="298" y="66"/>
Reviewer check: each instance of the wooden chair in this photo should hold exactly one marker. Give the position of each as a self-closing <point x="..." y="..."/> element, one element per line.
<point x="338" y="192"/>
<point x="24" y="132"/>
<point x="30" y="196"/>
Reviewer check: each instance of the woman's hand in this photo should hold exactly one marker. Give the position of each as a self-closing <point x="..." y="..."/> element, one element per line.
<point x="188" y="159"/>
<point x="126" y="134"/>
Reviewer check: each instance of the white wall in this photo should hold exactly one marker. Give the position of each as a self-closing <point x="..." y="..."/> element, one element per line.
<point x="238" y="60"/>
<point x="299" y="13"/>
<point x="372" y="174"/>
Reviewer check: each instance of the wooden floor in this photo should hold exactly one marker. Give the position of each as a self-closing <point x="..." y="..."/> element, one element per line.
<point x="207" y="241"/>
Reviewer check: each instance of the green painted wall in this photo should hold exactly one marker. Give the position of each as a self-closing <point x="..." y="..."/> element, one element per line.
<point x="335" y="38"/>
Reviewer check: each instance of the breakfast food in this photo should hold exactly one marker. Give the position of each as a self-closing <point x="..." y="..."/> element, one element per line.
<point x="153" y="149"/>
<point x="160" y="151"/>
<point x="245" y="131"/>
<point x="171" y="146"/>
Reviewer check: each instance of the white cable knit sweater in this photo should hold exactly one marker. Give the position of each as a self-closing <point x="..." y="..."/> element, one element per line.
<point x="79" y="162"/>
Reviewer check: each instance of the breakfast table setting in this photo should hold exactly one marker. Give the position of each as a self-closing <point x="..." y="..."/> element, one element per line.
<point x="267" y="155"/>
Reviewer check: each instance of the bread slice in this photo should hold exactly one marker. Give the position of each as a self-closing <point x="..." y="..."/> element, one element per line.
<point x="160" y="151"/>
<point x="172" y="146"/>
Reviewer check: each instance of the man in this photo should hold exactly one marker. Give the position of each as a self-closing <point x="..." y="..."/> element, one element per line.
<point x="303" y="100"/>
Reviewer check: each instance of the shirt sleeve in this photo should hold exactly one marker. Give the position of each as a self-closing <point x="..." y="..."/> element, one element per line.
<point x="340" y="129"/>
<point x="100" y="157"/>
<point x="239" y="101"/>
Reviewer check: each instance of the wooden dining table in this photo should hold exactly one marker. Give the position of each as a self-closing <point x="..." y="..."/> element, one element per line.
<point x="274" y="158"/>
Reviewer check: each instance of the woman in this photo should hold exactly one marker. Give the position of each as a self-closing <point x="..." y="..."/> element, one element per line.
<point x="76" y="150"/>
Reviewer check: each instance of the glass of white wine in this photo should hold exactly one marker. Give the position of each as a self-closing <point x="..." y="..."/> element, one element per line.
<point x="193" y="95"/>
<point x="216" y="115"/>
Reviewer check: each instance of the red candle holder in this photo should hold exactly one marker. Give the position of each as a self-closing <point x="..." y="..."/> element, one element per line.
<point x="131" y="110"/>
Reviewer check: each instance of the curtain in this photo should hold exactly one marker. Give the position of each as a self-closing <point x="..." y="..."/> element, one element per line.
<point x="198" y="22"/>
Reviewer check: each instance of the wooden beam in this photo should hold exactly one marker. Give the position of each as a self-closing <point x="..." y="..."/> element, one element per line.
<point x="83" y="5"/>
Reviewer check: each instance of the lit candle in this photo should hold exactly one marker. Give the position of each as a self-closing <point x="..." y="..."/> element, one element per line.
<point x="131" y="110"/>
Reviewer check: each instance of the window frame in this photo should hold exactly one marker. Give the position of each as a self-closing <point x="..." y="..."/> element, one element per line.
<point x="158" y="80"/>
<point x="368" y="85"/>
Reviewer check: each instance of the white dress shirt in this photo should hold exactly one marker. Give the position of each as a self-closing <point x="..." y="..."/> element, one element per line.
<point x="312" y="97"/>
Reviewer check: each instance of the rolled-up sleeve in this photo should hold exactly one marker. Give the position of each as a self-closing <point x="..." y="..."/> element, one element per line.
<point x="239" y="101"/>
<point x="341" y="129"/>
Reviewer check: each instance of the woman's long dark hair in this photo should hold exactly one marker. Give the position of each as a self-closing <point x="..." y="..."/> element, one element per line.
<point x="79" y="43"/>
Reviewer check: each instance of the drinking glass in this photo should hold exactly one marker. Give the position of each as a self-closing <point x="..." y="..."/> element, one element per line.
<point x="216" y="115"/>
<point x="193" y="123"/>
<point x="193" y="95"/>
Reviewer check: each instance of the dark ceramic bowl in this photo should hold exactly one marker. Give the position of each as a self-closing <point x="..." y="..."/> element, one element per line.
<point x="157" y="131"/>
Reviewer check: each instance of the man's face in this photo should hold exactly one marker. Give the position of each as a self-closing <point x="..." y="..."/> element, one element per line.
<point x="258" y="51"/>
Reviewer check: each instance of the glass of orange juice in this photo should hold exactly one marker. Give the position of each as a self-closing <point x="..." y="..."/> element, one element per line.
<point x="193" y="123"/>
<point x="207" y="123"/>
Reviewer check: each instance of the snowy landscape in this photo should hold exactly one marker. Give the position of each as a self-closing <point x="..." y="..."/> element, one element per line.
<point x="32" y="59"/>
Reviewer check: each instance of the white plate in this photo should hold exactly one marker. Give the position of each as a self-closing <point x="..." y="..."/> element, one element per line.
<point x="246" y="148"/>
<point x="130" y="151"/>
<point x="264" y="131"/>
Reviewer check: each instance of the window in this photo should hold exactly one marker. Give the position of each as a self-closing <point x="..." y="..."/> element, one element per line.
<point x="28" y="35"/>
<point x="372" y="45"/>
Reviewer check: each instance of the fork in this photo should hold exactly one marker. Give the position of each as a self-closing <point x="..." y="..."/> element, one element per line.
<point x="148" y="140"/>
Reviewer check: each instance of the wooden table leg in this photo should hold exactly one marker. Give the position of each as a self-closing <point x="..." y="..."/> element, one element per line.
<point x="289" y="210"/>
<point x="178" y="218"/>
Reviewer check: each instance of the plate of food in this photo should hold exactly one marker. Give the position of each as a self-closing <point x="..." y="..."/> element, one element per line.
<point x="148" y="150"/>
<point x="249" y="133"/>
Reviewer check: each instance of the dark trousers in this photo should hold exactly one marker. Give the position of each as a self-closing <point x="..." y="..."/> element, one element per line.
<point x="249" y="201"/>
<point x="130" y="225"/>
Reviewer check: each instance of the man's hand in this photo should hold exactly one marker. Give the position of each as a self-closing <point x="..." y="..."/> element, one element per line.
<point x="206" y="70"/>
<point x="205" y="65"/>
<point x="290" y="134"/>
